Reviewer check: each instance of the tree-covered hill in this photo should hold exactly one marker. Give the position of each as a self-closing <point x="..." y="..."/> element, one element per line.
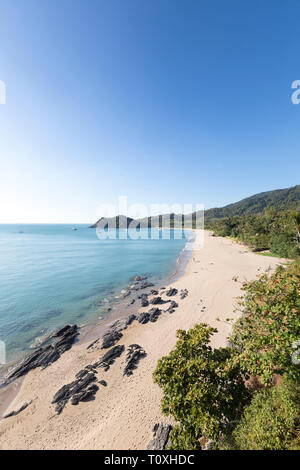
<point x="281" y="199"/>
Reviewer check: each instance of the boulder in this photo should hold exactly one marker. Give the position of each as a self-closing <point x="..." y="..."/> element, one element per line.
<point x="160" y="439"/>
<point x="143" y="317"/>
<point x="183" y="293"/>
<point x="172" y="291"/>
<point x="156" y="300"/>
<point x="109" y="358"/>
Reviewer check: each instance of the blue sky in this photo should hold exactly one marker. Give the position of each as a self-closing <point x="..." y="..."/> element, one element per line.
<point x="164" y="101"/>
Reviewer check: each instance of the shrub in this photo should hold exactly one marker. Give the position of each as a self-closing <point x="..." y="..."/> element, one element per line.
<point x="263" y="337"/>
<point x="284" y="246"/>
<point x="271" y="421"/>
<point x="203" y="391"/>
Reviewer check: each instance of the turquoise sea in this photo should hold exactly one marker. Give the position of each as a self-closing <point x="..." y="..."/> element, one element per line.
<point x="51" y="275"/>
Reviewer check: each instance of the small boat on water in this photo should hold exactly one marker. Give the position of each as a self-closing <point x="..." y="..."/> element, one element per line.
<point x="74" y="228"/>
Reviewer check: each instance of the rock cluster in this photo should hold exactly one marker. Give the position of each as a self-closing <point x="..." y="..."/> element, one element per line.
<point x="152" y="315"/>
<point x="160" y="439"/>
<point x="82" y="389"/>
<point x="183" y="293"/>
<point x="134" y="354"/>
<point x="110" y="338"/>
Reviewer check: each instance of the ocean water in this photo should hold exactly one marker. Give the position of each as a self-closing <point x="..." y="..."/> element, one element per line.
<point x="51" y="275"/>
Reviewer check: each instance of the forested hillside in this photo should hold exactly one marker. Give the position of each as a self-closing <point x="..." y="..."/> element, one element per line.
<point x="280" y="199"/>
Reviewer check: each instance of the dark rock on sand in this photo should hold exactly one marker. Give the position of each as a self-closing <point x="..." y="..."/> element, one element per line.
<point x="103" y="383"/>
<point x="172" y="291"/>
<point x="154" y="292"/>
<point x="143" y="296"/>
<point x="110" y="339"/>
<point x="156" y="300"/>
<point x="172" y="306"/>
<point x="154" y="314"/>
<point x="19" y="410"/>
<point x="123" y="323"/>
<point x="160" y="439"/>
<point x="82" y="389"/>
<point x="143" y="318"/>
<point x="62" y="340"/>
<point x="114" y="333"/>
<point x="93" y="344"/>
<point x="109" y="358"/>
<point x="183" y="293"/>
<point x="134" y="354"/>
<point x="144" y="302"/>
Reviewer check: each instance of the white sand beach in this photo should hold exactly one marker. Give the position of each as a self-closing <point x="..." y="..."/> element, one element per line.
<point x="124" y="412"/>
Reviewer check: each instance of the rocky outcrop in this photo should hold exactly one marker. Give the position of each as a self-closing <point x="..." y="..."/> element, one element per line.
<point x="123" y="323"/>
<point x="172" y="306"/>
<point x="143" y="318"/>
<point x="109" y="358"/>
<point x="114" y="333"/>
<point x="19" y="410"/>
<point x="160" y="439"/>
<point x="134" y="354"/>
<point x="60" y="342"/>
<point x="154" y="292"/>
<point x="82" y="389"/>
<point x="144" y="301"/>
<point x="152" y="315"/>
<point x="156" y="301"/>
<point x="183" y="293"/>
<point x="93" y="344"/>
<point x="171" y="292"/>
<point x="110" y="338"/>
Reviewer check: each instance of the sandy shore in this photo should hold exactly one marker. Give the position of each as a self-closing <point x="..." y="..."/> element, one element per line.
<point x="123" y="413"/>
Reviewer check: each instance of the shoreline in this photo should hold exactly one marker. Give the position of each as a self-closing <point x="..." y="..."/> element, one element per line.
<point x="97" y="327"/>
<point x="123" y="413"/>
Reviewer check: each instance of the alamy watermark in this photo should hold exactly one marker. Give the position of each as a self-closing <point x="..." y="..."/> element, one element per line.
<point x="296" y="94"/>
<point x="2" y="92"/>
<point x="174" y="221"/>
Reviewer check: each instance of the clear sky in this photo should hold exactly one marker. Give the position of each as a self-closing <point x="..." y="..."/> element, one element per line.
<point x="164" y="101"/>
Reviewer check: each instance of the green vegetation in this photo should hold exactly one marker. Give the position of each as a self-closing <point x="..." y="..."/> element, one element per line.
<point x="273" y="230"/>
<point x="246" y="396"/>
<point x="200" y="390"/>
<point x="272" y="421"/>
<point x="281" y="200"/>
